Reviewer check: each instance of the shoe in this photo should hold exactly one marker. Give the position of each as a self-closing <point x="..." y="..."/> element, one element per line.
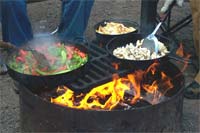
<point x="192" y="91"/>
<point x="3" y="69"/>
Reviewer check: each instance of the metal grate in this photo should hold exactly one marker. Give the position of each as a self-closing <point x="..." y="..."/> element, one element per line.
<point x="98" y="71"/>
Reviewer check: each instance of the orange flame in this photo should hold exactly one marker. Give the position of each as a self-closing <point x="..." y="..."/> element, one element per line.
<point x="180" y="52"/>
<point x="115" y="65"/>
<point x="112" y="94"/>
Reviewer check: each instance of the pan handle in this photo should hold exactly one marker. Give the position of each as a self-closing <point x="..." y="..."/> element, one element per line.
<point x="7" y="45"/>
<point x="178" y="58"/>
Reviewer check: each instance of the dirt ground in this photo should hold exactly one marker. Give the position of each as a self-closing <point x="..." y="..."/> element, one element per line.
<point x="44" y="16"/>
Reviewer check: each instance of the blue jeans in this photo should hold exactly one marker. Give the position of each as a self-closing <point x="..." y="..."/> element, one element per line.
<point x="16" y="27"/>
<point x="74" y="18"/>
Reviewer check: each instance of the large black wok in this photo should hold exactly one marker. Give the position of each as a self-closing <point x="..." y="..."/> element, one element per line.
<point x="143" y="64"/>
<point x="39" y="83"/>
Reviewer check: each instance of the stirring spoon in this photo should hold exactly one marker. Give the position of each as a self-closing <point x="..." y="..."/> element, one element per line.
<point x="151" y="41"/>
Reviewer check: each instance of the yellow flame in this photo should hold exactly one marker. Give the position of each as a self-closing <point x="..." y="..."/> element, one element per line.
<point x="111" y="94"/>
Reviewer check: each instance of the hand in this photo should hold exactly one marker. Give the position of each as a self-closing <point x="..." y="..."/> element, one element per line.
<point x="168" y="3"/>
<point x="6" y="45"/>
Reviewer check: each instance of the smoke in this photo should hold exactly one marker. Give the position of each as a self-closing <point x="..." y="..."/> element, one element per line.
<point x="42" y="39"/>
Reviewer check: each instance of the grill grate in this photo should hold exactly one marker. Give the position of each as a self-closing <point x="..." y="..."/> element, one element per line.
<point x="98" y="71"/>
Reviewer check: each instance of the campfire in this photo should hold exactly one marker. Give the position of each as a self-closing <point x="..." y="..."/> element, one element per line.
<point x="150" y="85"/>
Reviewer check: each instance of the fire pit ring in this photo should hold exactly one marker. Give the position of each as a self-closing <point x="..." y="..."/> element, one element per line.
<point x="40" y="115"/>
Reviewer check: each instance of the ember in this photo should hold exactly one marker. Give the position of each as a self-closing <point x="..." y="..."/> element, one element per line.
<point x="140" y="84"/>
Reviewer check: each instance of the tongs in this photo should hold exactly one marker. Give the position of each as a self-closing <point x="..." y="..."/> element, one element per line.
<point x="151" y="41"/>
<point x="41" y="59"/>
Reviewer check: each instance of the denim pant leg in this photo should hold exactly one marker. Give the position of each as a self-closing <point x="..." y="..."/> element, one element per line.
<point x="16" y="27"/>
<point x="74" y="18"/>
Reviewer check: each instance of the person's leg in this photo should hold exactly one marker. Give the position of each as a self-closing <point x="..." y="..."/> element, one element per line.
<point x="16" y="27"/>
<point x="193" y="90"/>
<point x="195" y="8"/>
<point x="74" y="18"/>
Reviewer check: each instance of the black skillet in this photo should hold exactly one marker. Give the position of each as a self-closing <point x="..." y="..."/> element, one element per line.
<point x="143" y="64"/>
<point x="104" y="38"/>
<point x="48" y="82"/>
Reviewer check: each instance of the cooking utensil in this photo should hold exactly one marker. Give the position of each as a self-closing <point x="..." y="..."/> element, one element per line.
<point x="151" y="41"/>
<point x="142" y="64"/>
<point x="104" y="38"/>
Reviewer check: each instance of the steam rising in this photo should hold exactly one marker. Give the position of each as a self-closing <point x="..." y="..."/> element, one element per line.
<point x="46" y="55"/>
